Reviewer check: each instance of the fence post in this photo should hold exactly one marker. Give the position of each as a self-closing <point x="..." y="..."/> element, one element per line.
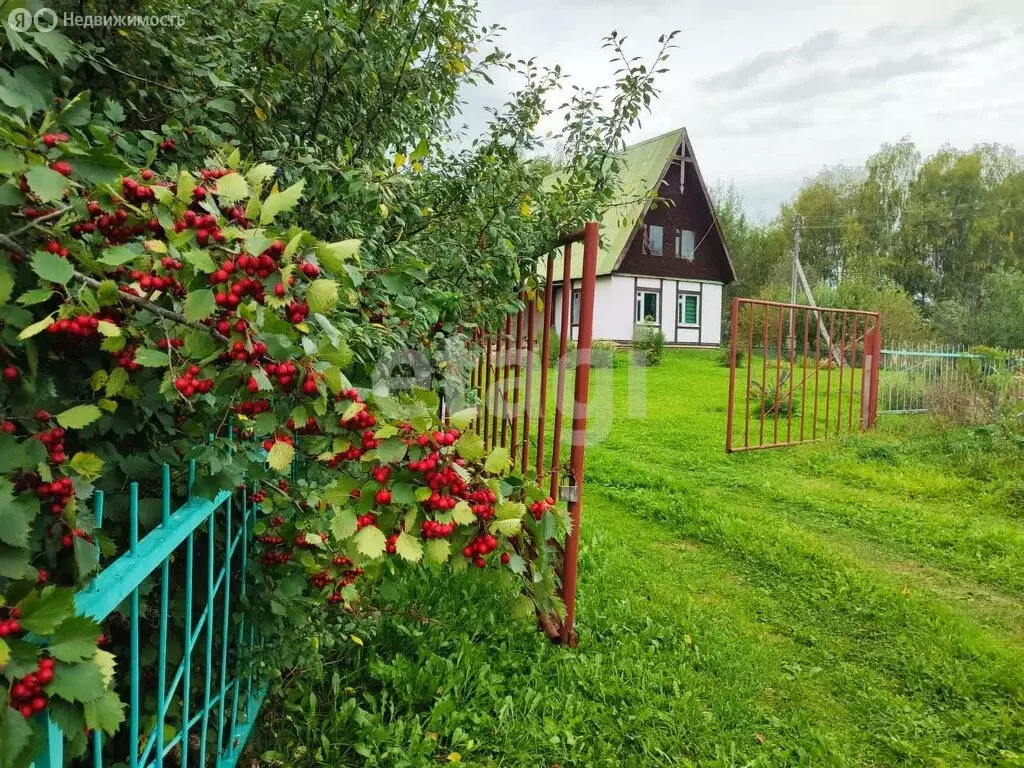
<point x="52" y="754"/>
<point x="734" y="332"/>
<point x="581" y="397"/>
<point x="875" y="373"/>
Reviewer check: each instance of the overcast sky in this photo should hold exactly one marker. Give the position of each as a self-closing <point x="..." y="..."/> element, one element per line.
<point x="773" y="90"/>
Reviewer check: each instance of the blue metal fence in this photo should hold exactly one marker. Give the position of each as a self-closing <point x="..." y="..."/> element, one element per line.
<point x="188" y="727"/>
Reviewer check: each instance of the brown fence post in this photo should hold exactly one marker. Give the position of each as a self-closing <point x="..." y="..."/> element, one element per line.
<point x="735" y="322"/>
<point x="581" y="398"/>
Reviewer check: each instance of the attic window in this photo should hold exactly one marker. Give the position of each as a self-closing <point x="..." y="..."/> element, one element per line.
<point x="655" y="241"/>
<point x="684" y="244"/>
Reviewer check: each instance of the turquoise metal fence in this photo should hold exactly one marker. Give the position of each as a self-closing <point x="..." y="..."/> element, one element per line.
<point x="206" y="697"/>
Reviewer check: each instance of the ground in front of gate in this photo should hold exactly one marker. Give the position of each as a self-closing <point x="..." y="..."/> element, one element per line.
<point x="858" y="603"/>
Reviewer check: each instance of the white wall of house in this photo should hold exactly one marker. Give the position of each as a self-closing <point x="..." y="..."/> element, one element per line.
<point x="615" y="307"/>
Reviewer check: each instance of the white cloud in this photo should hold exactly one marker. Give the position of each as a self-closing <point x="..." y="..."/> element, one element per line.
<point x="773" y="92"/>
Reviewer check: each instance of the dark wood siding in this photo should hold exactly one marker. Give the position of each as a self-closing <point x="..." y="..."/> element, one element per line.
<point x="690" y="210"/>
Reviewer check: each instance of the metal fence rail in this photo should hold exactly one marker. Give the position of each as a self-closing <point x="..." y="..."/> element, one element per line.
<point x="206" y="697"/>
<point x="507" y="385"/>
<point x="909" y="375"/>
<point x="799" y="374"/>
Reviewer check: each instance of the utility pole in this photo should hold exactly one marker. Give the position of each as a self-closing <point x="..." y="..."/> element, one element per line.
<point x="798" y="223"/>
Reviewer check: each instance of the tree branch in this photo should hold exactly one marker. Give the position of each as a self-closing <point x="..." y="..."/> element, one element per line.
<point x="138" y="301"/>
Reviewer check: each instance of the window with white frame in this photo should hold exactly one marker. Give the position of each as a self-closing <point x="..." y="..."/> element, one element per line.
<point x="575" y="306"/>
<point x="655" y="241"/>
<point x="684" y="244"/>
<point x="648" y="307"/>
<point x="688" y="312"/>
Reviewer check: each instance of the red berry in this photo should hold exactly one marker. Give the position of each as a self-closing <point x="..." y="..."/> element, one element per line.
<point x="10" y="373"/>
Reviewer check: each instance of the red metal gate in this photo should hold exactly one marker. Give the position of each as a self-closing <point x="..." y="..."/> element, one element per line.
<point x="504" y="380"/>
<point x="811" y="373"/>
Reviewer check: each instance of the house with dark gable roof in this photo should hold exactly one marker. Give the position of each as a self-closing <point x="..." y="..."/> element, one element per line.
<point x="663" y="258"/>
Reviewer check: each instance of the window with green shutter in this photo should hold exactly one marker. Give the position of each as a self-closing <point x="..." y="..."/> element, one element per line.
<point x="689" y="309"/>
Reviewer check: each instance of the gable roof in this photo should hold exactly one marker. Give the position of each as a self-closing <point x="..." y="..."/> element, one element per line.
<point x="642" y="167"/>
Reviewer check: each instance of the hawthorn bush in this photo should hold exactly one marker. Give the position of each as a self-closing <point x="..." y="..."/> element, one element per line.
<point x="168" y="294"/>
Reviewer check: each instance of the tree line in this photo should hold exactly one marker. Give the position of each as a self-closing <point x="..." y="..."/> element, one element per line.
<point x="934" y="242"/>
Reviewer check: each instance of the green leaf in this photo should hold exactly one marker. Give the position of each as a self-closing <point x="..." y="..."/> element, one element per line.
<point x="371" y="541"/>
<point x="278" y="202"/>
<point x="260" y="173"/>
<point x="113" y="110"/>
<point x="470" y="446"/>
<point x="391" y="450"/>
<point x="11" y="163"/>
<point x="280" y="456"/>
<point x="438" y="550"/>
<point x="15" y="737"/>
<point x="509" y="510"/>
<point x="461" y="419"/>
<point x="499" y="461"/>
<point x="75" y="639"/>
<point x="186" y="185"/>
<point x="88" y="465"/>
<point x="47" y="183"/>
<point x="35" y="296"/>
<point x="105" y="713"/>
<point x="200" y="260"/>
<point x="322" y="295"/>
<point x="79" y="416"/>
<point x="232" y="188"/>
<point x="343" y="525"/>
<point x="507" y="527"/>
<point x="36" y="328"/>
<point x="87" y="559"/>
<point x="462" y="513"/>
<point x="6" y="284"/>
<point x="332" y="256"/>
<point x="52" y="267"/>
<point x="116" y="382"/>
<point x="408" y="548"/>
<point x="516" y="564"/>
<point x="17" y="515"/>
<point x="199" y="305"/>
<point x="523" y="608"/>
<point x="222" y="104"/>
<point x="152" y="358"/>
<point x="119" y="254"/>
<point x="42" y="612"/>
<point x="108" y="329"/>
<point x="77" y="682"/>
<point x="5" y="653"/>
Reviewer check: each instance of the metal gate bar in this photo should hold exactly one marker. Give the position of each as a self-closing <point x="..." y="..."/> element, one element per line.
<point x="789" y="384"/>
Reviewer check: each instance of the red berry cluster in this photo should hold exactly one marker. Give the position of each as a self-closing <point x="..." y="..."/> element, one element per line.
<point x="482" y="503"/>
<point x="82" y="326"/>
<point x="58" y="493"/>
<point x="167" y="145"/>
<point x="297" y="311"/>
<point x="126" y="358"/>
<point x="204" y="224"/>
<point x="11" y="625"/>
<point x="309" y="269"/>
<point x="285" y="373"/>
<point x="53" y="139"/>
<point x="190" y="384"/>
<point x="320" y="579"/>
<point x="538" y="508"/>
<point x="67" y="541"/>
<point x="137" y="193"/>
<point x="253" y="408"/>
<point x="53" y="439"/>
<point x="383" y="496"/>
<point x="480" y="546"/>
<point x="56" y="248"/>
<point x="271" y="539"/>
<point x="166" y="343"/>
<point x="63" y="167"/>
<point x="264" y="264"/>
<point x="8" y="427"/>
<point x="381" y="473"/>
<point x="113" y="226"/>
<point x="364" y="520"/>
<point x="431" y="529"/>
<point x="27" y="695"/>
<point x="148" y="282"/>
<point x="341" y="561"/>
<point x="212" y="174"/>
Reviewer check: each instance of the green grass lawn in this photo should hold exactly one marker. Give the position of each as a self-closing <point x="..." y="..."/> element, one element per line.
<point x="853" y="603"/>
